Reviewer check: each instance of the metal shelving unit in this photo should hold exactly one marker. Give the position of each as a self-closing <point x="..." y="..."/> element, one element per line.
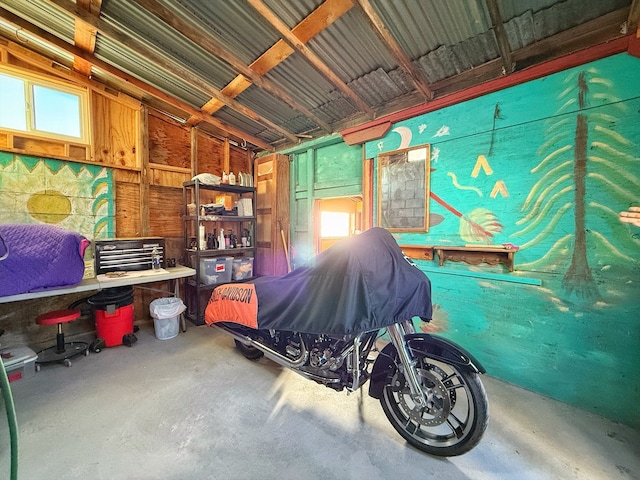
<point x="198" y="288"/>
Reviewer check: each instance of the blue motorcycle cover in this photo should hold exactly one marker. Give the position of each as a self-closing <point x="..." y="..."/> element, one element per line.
<point x="360" y="284"/>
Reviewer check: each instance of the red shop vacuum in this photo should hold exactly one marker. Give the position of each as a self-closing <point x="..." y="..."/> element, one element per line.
<point x="113" y="312"/>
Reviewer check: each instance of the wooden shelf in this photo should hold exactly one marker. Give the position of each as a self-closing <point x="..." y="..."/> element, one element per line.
<point x="475" y="255"/>
<point x="418" y="252"/>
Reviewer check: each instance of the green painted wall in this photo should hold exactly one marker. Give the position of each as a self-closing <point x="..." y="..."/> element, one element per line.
<point x="545" y="166"/>
<point x="323" y="170"/>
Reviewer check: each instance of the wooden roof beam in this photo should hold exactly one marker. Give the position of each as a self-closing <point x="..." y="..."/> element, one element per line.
<point x="84" y="35"/>
<point x="288" y="35"/>
<point x="501" y="36"/>
<point x="130" y="79"/>
<point x="199" y="37"/>
<point x="71" y="8"/>
<point x="633" y="17"/>
<point x="392" y="45"/>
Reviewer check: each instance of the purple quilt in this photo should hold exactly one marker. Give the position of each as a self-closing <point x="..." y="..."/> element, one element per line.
<point x="38" y="256"/>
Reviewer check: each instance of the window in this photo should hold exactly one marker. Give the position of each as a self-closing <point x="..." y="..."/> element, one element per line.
<point x="42" y="107"/>
<point x="334" y="224"/>
<point x="403" y="190"/>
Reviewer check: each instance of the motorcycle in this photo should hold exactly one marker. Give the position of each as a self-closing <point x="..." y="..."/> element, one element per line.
<point x="429" y="387"/>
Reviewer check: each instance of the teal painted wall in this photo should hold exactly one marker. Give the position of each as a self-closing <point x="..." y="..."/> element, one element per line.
<point x="545" y="166"/>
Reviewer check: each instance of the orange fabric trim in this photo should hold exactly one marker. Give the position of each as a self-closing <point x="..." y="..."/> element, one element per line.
<point x="233" y="302"/>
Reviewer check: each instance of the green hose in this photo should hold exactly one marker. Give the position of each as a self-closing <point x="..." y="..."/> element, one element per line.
<point x="11" y="418"/>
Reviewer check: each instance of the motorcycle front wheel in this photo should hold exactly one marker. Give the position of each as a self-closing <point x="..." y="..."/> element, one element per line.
<point x="455" y="416"/>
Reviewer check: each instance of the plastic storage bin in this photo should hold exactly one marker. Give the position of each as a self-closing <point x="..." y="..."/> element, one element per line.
<point x="242" y="268"/>
<point x="215" y="270"/>
<point x="19" y="362"/>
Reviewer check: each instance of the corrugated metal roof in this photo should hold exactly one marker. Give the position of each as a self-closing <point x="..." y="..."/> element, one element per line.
<point x="234" y="24"/>
<point x="44" y="15"/>
<point x="43" y="48"/>
<point x="351" y="48"/>
<point x="116" y="53"/>
<point x="173" y="47"/>
<point x="424" y="26"/>
<point x="302" y="81"/>
<point x="529" y="21"/>
<point x="441" y="40"/>
<point x="270" y="107"/>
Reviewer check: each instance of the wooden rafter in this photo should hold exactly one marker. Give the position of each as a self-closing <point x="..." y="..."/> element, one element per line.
<point x="289" y="36"/>
<point x="103" y="28"/>
<point x="84" y="35"/>
<point x="247" y="75"/>
<point x="130" y="79"/>
<point x="501" y="36"/>
<point x="392" y="45"/>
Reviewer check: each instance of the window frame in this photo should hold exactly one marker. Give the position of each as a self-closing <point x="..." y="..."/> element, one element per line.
<point x="395" y="159"/>
<point x="30" y="80"/>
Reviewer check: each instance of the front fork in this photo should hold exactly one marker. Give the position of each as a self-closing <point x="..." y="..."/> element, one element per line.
<point x="397" y="332"/>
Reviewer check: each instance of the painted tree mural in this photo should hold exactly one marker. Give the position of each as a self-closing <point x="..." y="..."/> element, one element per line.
<point x="581" y="154"/>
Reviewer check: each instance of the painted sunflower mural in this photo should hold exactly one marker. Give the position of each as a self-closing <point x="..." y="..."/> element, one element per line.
<point x="70" y="195"/>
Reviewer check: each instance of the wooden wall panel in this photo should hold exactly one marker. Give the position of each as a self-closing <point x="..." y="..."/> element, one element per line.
<point x="169" y="144"/>
<point x="127" y="209"/>
<point x="272" y="185"/>
<point x="167" y="178"/>
<point x="239" y="161"/>
<point x="210" y="156"/>
<point x="115" y="129"/>
<point x="165" y="205"/>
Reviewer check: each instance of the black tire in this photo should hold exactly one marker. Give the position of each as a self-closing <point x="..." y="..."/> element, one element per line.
<point x="457" y="413"/>
<point x="252" y="353"/>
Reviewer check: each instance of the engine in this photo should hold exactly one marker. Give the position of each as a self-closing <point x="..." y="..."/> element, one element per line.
<point x="326" y="353"/>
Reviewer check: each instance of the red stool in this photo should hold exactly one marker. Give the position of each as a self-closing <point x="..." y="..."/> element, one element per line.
<point x="61" y="352"/>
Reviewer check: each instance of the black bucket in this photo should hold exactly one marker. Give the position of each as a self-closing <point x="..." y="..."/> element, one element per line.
<point x="111" y="299"/>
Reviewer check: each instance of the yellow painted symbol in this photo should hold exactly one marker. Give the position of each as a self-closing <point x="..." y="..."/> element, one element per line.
<point x="501" y="188"/>
<point x="49" y="207"/>
<point x="483" y="163"/>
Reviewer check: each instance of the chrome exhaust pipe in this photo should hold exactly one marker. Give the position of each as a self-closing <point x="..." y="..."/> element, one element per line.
<point x="269" y="353"/>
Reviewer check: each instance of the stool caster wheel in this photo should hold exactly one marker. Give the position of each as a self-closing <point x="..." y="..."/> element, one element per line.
<point x="86" y="352"/>
<point x="97" y="345"/>
<point x="37" y="367"/>
<point x="67" y="362"/>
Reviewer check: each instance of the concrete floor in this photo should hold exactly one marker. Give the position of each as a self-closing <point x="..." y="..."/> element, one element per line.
<point x="193" y="408"/>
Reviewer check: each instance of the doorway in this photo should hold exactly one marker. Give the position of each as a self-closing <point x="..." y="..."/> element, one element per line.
<point x="335" y="219"/>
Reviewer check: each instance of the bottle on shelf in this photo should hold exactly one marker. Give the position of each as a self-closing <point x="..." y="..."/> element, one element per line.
<point x="214" y="239"/>
<point x="202" y="245"/>
<point x="232" y="178"/>
<point x="156" y="259"/>
<point x="221" y="243"/>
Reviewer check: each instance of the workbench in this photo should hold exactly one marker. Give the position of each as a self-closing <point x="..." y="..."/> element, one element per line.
<point x="101" y="282"/>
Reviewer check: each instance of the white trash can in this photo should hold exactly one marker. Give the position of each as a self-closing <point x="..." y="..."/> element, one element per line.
<point x="166" y="316"/>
